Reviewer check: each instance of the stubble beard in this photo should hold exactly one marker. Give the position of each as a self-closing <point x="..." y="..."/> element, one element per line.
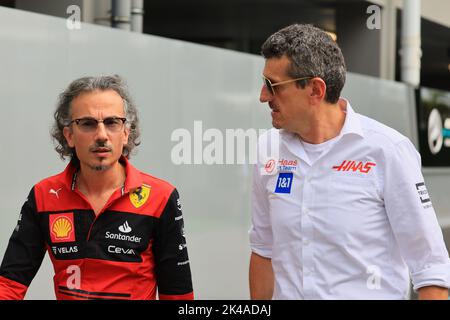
<point x="100" y="167"/>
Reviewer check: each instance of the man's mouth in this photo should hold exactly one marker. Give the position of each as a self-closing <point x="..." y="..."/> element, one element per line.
<point x="273" y="108"/>
<point x="101" y="151"/>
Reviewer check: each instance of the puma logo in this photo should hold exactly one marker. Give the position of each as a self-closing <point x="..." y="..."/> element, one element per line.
<point x="52" y="191"/>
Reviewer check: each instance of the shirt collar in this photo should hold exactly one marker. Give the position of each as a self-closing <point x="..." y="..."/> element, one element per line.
<point x="352" y="123"/>
<point x="133" y="178"/>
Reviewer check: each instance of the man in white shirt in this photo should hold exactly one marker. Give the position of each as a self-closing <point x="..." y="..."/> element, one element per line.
<point x="342" y="211"/>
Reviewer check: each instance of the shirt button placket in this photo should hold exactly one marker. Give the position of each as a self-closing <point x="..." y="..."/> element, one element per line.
<point x="307" y="236"/>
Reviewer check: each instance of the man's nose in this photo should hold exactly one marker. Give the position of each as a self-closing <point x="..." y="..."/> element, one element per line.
<point x="265" y="95"/>
<point x="101" y="133"/>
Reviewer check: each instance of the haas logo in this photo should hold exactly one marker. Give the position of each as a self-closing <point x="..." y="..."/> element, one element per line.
<point x="270" y="165"/>
<point x="350" y="165"/>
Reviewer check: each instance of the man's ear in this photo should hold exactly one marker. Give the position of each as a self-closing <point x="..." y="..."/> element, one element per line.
<point x="68" y="134"/>
<point x="126" y="135"/>
<point x="318" y="90"/>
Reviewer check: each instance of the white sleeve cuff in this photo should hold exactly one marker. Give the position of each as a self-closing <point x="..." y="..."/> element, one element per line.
<point x="436" y="275"/>
<point x="261" y="250"/>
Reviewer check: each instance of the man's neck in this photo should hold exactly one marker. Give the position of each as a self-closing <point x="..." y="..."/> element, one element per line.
<point x="324" y="124"/>
<point x="94" y="182"/>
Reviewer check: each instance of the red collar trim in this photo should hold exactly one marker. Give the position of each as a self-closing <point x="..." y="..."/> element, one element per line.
<point x="133" y="178"/>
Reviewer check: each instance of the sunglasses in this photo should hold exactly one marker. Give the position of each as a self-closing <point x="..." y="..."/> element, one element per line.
<point x="270" y="86"/>
<point x="89" y="125"/>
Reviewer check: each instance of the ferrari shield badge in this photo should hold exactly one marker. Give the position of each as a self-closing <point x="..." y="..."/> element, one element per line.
<point x="140" y="195"/>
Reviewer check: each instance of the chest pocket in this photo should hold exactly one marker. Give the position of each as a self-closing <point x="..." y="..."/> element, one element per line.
<point x="353" y="194"/>
<point x="354" y="209"/>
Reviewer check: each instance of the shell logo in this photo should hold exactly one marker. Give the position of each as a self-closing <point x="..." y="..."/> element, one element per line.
<point x="62" y="227"/>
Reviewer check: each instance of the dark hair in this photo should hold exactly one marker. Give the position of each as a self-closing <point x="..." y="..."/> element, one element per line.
<point x="312" y="52"/>
<point x="62" y="114"/>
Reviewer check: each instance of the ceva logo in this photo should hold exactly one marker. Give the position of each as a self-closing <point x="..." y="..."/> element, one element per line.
<point x="347" y="165"/>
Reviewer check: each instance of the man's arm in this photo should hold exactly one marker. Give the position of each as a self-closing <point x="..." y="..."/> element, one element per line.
<point x="414" y="222"/>
<point x="24" y="254"/>
<point x="173" y="273"/>
<point x="261" y="278"/>
<point x="433" y="293"/>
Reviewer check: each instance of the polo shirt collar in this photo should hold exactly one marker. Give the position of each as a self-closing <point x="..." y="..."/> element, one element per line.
<point x="133" y="178"/>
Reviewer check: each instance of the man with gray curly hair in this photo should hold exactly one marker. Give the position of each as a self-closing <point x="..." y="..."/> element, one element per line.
<point x="342" y="211"/>
<point x="112" y="232"/>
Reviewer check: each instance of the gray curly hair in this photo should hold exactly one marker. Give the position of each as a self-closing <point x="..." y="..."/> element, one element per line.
<point x="312" y="53"/>
<point x="62" y="114"/>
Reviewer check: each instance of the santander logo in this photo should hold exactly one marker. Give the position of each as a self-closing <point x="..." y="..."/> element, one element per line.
<point x="350" y="165"/>
<point x="125" y="228"/>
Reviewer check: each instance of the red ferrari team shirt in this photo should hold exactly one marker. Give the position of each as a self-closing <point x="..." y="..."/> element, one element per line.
<point x="135" y="248"/>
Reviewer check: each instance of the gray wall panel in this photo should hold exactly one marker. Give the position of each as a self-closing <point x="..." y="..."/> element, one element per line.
<point x="174" y="84"/>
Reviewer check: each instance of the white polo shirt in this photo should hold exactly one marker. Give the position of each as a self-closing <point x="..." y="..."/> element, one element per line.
<point x="350" y="225"/>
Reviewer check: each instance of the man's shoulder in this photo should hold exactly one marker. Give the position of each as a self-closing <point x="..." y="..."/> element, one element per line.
<point x="51" y="192"/>
<point x="156" y="183"/>
<point x="380" y="133"/>
<point x="58" y="180"/>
